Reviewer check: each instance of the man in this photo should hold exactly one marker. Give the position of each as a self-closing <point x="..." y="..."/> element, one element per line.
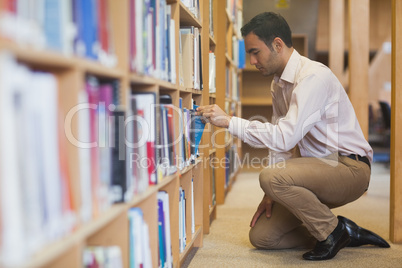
<point x="311" y="112"/>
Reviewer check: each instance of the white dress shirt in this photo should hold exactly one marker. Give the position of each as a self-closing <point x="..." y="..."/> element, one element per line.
<point x="310" y="109"/>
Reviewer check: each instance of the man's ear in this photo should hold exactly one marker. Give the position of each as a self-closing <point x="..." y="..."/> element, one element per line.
<point x="277" y="44"/>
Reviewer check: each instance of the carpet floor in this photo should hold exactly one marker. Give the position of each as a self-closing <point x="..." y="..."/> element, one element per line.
<point x="227" y="244"/>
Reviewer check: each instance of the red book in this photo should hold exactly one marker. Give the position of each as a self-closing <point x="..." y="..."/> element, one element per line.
<point x="9" y="5"/>
<point x="103" y="25"/>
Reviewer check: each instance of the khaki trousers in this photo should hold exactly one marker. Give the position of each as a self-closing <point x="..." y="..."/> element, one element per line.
<point x="304" y="190"/>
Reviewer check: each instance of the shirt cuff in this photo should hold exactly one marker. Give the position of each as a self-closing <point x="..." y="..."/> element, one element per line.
<point x="237" y="127"/>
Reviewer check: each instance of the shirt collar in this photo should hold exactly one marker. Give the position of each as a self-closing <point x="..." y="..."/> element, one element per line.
<point x="288" y="74"/>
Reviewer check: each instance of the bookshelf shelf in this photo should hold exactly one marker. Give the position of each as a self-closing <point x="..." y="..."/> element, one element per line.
<point x="256" y="101"/>
<point x="148" y="80"/>
<point x="212" y="41"/>
<point x="196" y="235"/>
<point x="97" y="69"/>
<point x="191" y="90"/>
<point x="212" y="210"/>
<point x="37" y="57"/>
<point x="250" y="69"/>
<point x="187" y="18"/>
<point x="52" y="251"/>
<point x="190" y="167"/>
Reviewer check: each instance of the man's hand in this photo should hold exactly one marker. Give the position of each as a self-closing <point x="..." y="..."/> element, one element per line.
<point x="215" y="115"/>
<point x="265" y="205"/>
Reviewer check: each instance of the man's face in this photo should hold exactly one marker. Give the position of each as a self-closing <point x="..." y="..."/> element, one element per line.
<point x="267" y="61"/>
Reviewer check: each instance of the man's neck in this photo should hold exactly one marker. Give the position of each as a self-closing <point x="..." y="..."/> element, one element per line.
<point x="287" y="53"/>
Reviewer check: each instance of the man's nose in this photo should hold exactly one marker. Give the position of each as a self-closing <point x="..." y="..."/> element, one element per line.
<point x="253" y="60"/>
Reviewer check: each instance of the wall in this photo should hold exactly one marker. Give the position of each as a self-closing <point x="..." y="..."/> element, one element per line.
<point x="295" y="15"/>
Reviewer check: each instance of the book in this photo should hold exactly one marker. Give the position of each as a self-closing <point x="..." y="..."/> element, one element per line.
<point x="167" y="130"/>
<point x="118" y="158"/>
<point x="145" y="102"/>
<point x="242" y="54"/>
<point x="84" y="155"/>
<point x="192" y="207"/>
<point x="197" y="128"/>
<point x="212" y="72"/>
<point x="191" y="49"/>
<point x="91" y="87"/>
<point x="187" y="44"/>
<point x="164" y="197"/>
<point x="161" y="234"/>
<point x="137" y="155"/>
<point x="105" y="133"/>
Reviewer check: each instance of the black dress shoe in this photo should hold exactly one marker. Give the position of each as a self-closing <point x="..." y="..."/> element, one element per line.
<point x="360" y="236"/>
<point x="328" y="248"/>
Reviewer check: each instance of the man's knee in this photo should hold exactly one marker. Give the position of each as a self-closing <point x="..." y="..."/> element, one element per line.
<point x="261" y="241"/>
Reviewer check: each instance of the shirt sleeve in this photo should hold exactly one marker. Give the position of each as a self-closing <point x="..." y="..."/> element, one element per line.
<point x="306" y="106"/>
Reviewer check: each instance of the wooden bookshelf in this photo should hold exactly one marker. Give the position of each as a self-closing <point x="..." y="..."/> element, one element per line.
<point x="111" y="227"/>
<point x="226" y="70"/>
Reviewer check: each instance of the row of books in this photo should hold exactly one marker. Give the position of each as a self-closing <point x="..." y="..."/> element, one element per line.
<point x="101" y="145"/>
<point x="102" y="256"/>
<point x="152" y="39"/>
<point x="236" y="15"/>
<point x="190" y="65"/>
<point x="131" y="150"/>
<point x="80" y="27"/>
<point x="140" y="251"/>
<point x="140" y="254"/>
<point x="35" y="185"/>
<point x="134" y="149"/>
<point x="151" y="150"/>
<point x="183" y="215"/>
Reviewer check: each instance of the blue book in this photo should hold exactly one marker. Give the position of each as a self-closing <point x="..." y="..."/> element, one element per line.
<point x="88" y="27"/>
<point x="52" y="24"/>
<point x="197" y="127"/>
<point x="161" y="232"/>
<point x="242" y="54"/>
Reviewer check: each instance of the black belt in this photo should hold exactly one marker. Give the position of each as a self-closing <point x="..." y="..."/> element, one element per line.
<point x="360" y="158"/>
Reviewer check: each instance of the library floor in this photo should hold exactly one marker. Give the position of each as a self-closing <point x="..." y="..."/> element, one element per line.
<point x="227" y="244"/>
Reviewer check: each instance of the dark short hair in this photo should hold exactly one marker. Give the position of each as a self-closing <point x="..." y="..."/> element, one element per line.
<point x="267" y="26"/>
